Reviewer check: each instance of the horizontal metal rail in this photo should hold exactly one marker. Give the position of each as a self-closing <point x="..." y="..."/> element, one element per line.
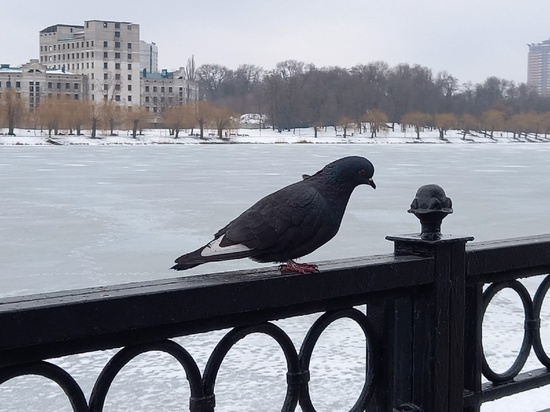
<point x="115" y="316"/>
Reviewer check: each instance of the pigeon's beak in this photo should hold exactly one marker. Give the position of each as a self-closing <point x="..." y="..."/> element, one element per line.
<point x="370" y="182"/>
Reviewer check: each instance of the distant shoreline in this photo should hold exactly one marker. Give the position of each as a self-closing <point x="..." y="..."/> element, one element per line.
<point x="264" y="136"/>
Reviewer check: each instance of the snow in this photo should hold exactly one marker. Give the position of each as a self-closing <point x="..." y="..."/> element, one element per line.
<point x="107" y="211"/>
<point x="255" y="135"/>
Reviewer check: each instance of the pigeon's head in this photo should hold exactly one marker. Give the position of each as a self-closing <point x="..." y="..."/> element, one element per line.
<point x="351" y="170"/>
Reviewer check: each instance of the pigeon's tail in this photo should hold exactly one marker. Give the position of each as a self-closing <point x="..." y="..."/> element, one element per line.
<point x="212" y="252"/>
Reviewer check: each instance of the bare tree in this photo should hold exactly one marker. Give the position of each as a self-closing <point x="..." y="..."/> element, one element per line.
<point x="190" y="70"/>
<point x="180" y="117"/>
<point x="377" y="120"/>
<point x="345" y="122"/>
<point x="75" y="114"/>
<point x="136" y="118"/>
<point x="50" y="115"/>
<point x="492" y="120"/>
<point x="444" y="122"/>
<point x="222" y="118"/>
<point x="467" y="123"/>
<point x="416" y="119"/>
<point x="211" y="78"/>
<point x="12" y="110"/>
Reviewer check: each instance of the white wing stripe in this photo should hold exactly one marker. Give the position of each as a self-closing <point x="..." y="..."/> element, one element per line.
<point x="214" y="248"/>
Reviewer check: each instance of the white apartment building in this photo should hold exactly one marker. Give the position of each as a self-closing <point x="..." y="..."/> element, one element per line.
<point x="117" y="64"/>
<point x="107" y="52"/>
<point x="34" y="82"/>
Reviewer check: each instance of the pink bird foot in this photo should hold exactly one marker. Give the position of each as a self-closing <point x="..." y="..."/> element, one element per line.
<point x="293" y="267"/>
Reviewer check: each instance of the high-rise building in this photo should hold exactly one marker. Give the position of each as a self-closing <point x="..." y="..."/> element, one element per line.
<point x="538" y="67"/>
<point x="149" y="57"/>
<point x="107" y="52"/>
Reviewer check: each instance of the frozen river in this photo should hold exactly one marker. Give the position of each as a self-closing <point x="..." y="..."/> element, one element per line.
<point x="76" y="217"/>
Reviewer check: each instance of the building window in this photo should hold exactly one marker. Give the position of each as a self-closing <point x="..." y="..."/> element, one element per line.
<point x="117" y="55"/>
<point x="117" y="34"/>
<point x="105" y="76"/>
<point x="117" y="66"/>
<point x="129" y="87"/>
<point x="170" y="89"/>
<point x="117" y="76"/>
<point x="105" y="55"/>
<point x="17" y="84"/>
<point x="117" y="98"/>
<point x="129" y="56"/>
<point x="105" y="24"/>
<point x="76" y="97"/>
<point x="67" y="86"/>
<point x="58" y="86"/>
<point x="117" y="25"/>
<point x="129" y="98"/>
<point x="129" y="66"/>
<point x="105" y="44"/>
<point x="117" y="87"/>
<point x="105" y="65"/>
<point x="154" y="89"/>
<point x="146" y="89"/>
<point x="129" y="46"/>
<point x="50" y="85"/>
<point x="129" y="77"/>
<point x="146" y="99"/>
<point x="117" y="45"/>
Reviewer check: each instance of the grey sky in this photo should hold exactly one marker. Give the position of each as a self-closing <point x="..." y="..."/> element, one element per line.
<point x="470" y="39"/>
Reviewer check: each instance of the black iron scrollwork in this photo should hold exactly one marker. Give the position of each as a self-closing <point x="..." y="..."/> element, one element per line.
<point x="531" y="334"/>
<point x="311" y="340"/>
<point x="53" y="372"/>
<point x="202" y="397"/>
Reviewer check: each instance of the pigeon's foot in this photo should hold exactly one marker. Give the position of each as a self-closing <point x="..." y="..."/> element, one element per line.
<point x="293" y="267"/>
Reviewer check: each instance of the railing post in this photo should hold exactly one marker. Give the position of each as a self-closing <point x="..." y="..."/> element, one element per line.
<point x="432" y="365"/>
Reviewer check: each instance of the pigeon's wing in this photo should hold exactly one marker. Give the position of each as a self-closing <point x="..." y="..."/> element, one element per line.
<point x="278" y="220"/>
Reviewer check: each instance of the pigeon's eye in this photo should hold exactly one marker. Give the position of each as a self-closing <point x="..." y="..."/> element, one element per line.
<point x="362" y="172"/>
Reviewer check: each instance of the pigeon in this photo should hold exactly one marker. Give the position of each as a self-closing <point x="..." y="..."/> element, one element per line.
<point x="289" y="223"/>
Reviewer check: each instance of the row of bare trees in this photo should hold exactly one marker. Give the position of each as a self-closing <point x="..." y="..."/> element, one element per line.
<point x="296" y="94"/>
<point x="57" y="114"/>
<point x="489" y="122"/>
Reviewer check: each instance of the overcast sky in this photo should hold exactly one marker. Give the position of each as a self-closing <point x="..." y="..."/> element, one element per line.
<point x="470" y="39"/>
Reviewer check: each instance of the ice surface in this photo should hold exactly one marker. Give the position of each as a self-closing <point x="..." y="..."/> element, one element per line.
<point x="75" y="216"/>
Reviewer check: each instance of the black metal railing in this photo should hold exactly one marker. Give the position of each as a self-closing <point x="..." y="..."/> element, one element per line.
<point x="422" y="323"/>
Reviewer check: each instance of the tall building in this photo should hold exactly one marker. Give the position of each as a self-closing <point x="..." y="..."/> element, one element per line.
<point x="107" y="52"/>
<point x="538" y="67"/>
<point x="116" y="63"/>
<point x="149" y="57"/>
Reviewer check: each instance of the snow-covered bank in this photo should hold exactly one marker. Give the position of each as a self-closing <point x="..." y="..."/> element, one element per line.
<point x="161" y="136"/>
